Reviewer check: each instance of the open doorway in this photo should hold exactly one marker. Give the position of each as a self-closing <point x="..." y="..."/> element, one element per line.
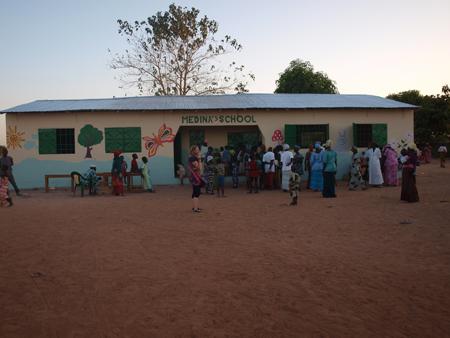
<point x="216" y="136"/>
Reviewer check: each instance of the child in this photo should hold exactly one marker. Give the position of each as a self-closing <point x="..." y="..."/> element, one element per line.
<point x="220" y="172"/>
<point x="92" y="179"/>
<point x="209" y="174"/>
<point x="294" y="186"/>
<point x="181" y="172"/>
<point x="123" y="170"/>
<point x="145" y="172"/>
<point x="235" y="170"/>
<point x="442" y="150"/>
<point x="253" y="174"/>
<point x="4" y="182"/>
<point x="134" y="164"/>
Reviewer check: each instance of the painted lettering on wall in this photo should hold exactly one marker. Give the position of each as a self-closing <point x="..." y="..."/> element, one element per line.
<point x="165" y="135"/>
<point x="218" y="119"/>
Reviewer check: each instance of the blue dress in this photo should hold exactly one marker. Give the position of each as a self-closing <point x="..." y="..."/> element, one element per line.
<point x="316" y="171"/>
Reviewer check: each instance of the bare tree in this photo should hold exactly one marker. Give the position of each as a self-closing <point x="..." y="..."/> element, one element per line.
<point x="176" y="53"/>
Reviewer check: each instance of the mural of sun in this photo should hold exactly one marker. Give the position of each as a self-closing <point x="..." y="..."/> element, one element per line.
<point x="14" y="138"/>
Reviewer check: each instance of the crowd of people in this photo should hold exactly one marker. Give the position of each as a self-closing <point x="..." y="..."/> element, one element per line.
<point x="280" y="167"/>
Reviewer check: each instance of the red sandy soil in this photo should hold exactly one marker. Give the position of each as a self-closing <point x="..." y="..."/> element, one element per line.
<point x="362" y="265"/>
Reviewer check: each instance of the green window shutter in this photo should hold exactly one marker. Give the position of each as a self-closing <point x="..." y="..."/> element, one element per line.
<point x="131" y="138"/>
<point x="355" y="133"/>
<point x="47" y="141"/>
<point x="328" y="132"/>
<point x="128" y="140"/>
<point x="290" y="134"/>
<point x="379" y="133"/>
<point x="113" y="139"/>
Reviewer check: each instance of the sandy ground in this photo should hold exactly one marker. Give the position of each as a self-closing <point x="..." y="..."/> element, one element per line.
<point x="144" y="265"/>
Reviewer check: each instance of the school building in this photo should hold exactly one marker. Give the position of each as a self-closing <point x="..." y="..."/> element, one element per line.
<point x="60" y="136"/>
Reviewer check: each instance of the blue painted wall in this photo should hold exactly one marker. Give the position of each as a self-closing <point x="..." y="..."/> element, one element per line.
<point x="30" y="172"/>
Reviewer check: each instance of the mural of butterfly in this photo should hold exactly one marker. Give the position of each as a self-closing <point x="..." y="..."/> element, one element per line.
<point x="165" y="135"/>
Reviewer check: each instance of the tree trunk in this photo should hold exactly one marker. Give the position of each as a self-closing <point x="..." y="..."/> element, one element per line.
<point x="88" y="152"/>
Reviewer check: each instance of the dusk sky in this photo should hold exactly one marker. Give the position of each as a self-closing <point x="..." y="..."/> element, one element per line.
<point x="57" y="49"/>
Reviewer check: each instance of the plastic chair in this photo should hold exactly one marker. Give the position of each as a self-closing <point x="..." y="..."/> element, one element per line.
<point x="78" y="181"/>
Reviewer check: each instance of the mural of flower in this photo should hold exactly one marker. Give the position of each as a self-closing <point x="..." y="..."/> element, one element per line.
<point x="14" y="138"/>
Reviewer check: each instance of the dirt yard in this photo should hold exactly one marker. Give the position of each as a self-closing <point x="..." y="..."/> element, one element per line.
<point x="362" y="265"/>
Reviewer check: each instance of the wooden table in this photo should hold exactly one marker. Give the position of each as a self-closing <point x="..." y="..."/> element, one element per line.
<point x="130" y="185"/>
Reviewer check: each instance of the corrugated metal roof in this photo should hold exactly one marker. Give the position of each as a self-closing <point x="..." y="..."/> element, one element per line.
<point x="237" y="101"/>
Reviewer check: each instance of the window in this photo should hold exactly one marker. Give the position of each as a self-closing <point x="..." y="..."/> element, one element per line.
<point x="363" y="134"/>
<point x="305" y="134"/>
<point x="127" y="140"/>
<point x="196" y="136"/>
<point x="56" y="141"/>
<point x="248" y="139"/>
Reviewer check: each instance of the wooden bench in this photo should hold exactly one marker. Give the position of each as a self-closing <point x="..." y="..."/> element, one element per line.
<point x="48" y="177"/>
<point x="105" y="180"/>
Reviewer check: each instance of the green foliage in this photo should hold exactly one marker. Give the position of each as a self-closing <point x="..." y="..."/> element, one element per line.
<point x="88" y="137"/>
<point x="432" y="119"/>
<point x="300" y="77"/>
<point x="175" y="53"/>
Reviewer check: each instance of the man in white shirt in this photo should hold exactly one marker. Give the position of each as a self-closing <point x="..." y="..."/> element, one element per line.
<point x="269" y="168"/>
<point x="286" y="160"/>
<point x="442" y="154"/>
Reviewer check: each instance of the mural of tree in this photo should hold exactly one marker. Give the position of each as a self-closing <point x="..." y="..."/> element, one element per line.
<point x="89" y="136"/>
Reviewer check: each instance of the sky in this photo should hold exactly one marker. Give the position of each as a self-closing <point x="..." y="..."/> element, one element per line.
<point x="58" y="49"/>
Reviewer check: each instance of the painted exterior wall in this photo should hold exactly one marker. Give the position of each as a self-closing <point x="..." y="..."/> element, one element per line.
<point x="30" y="167"/>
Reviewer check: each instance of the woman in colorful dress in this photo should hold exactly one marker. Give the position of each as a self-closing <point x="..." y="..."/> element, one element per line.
<point x="116" y="174"/>
<point x="329" y="171"/>
<point x="409" y="190"/>
<point x="317" y="168"/>
<point x="356" y="179"/>
<point x="390" y="166"/>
